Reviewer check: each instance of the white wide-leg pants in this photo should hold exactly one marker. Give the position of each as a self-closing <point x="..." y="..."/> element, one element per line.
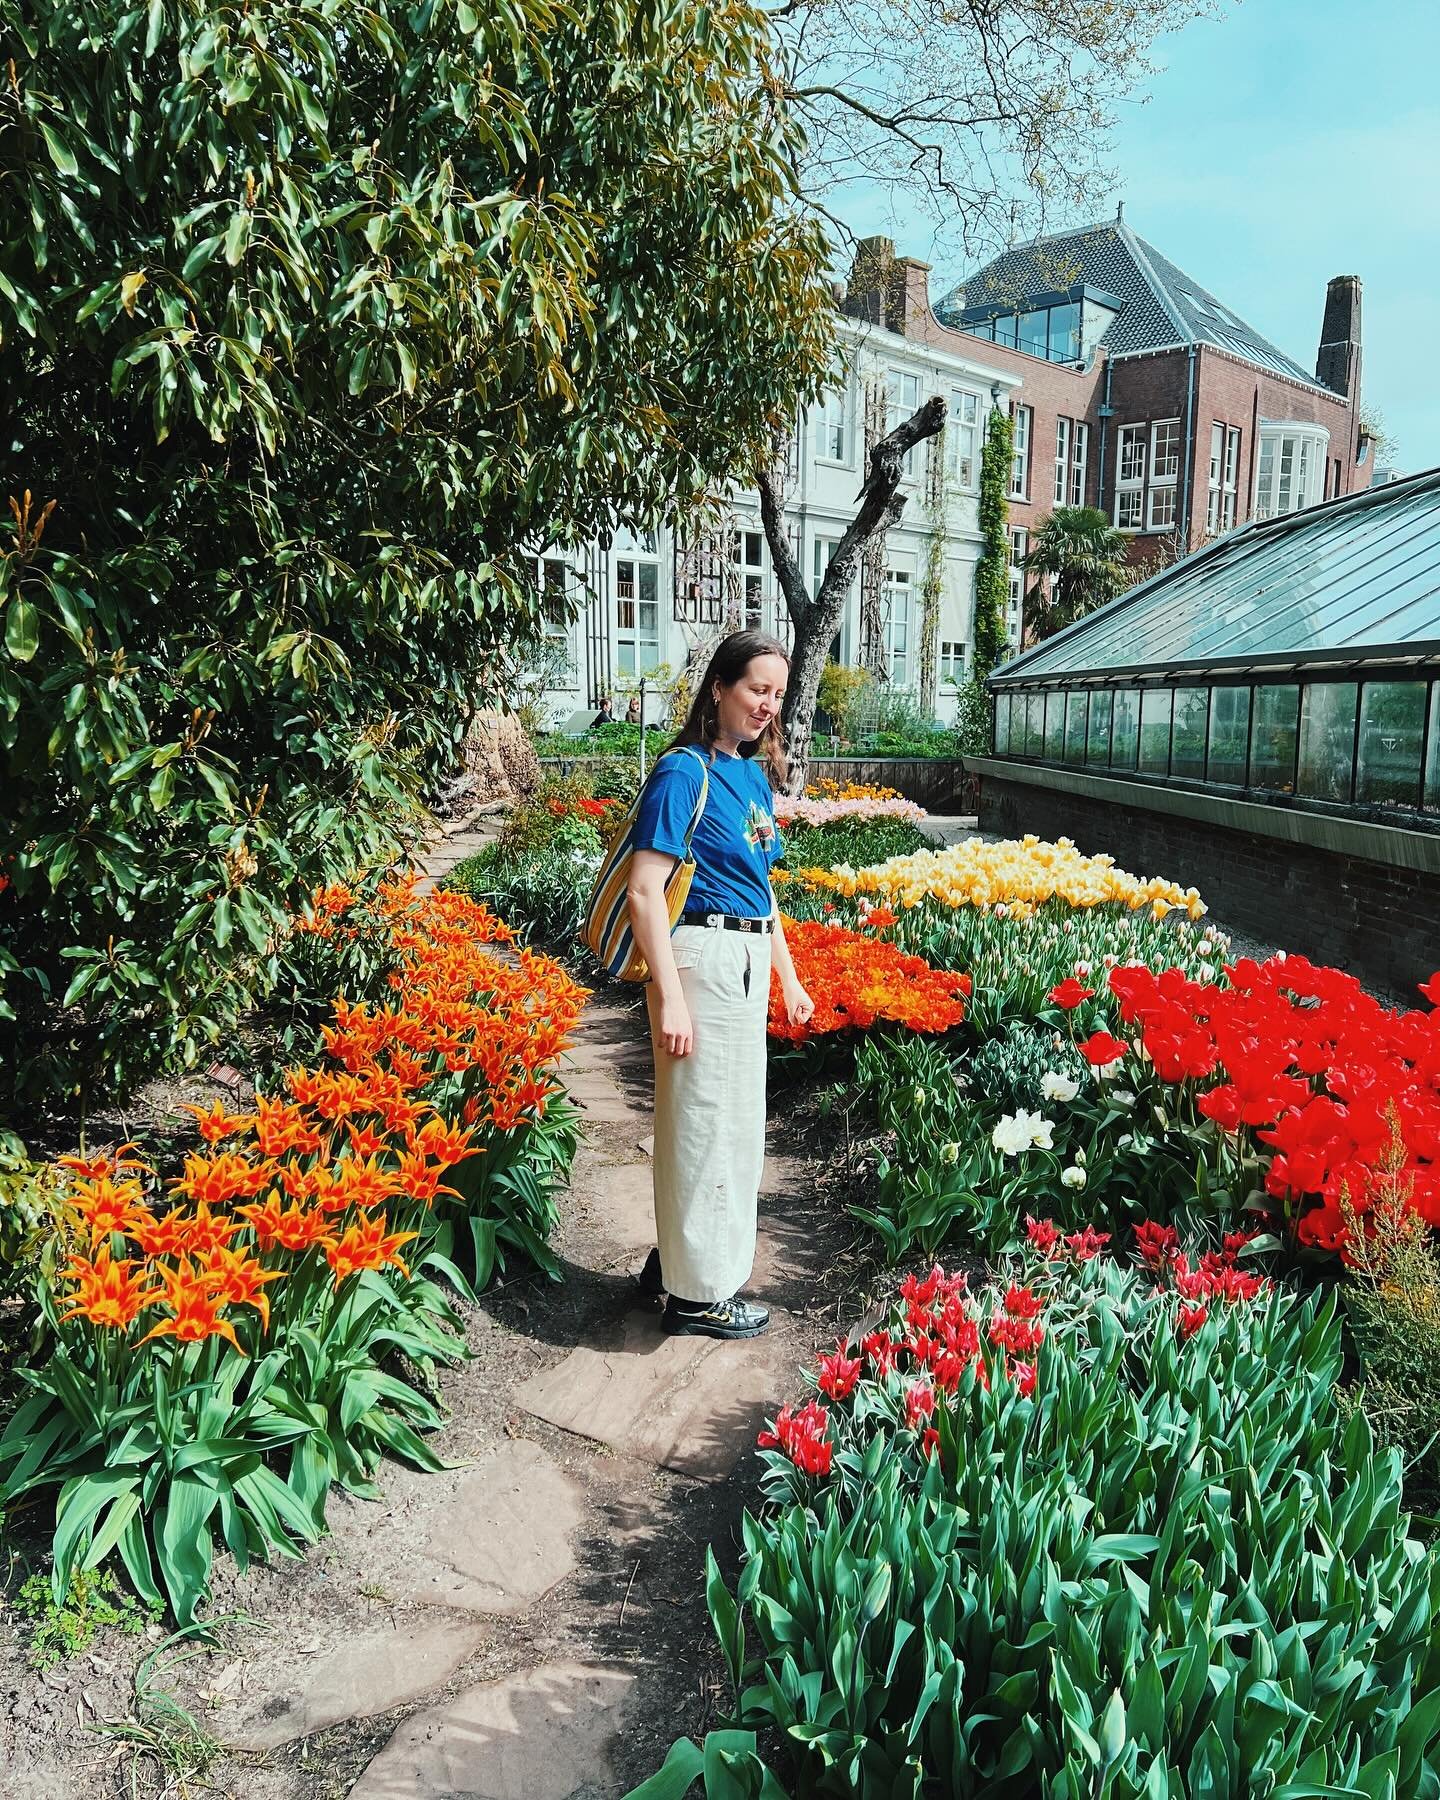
<point x="710" y="1114"/>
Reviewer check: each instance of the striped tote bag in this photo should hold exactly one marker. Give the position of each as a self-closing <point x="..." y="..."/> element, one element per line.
<point x="606" y="931"/>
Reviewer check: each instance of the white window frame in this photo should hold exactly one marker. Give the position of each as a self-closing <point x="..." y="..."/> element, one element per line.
<point x="1161" y="507"/>
<point x="631" y="640"/>
<point x="952" y="661"/>
<point x="900" y="626"/>
<point x="1290" y="469"/>
<point x="752" y="570"/>
<point x="832" y="427"/>
<point x="1131" y="461"/>
<point x="963" y="432"/>
<point x="1079" y="461"/>
<point x="903" y="392"/>
<point x="1230" y="486"/>
<point x="1063" y="429"/>
<point x="1224" y="470"/>
<point x="1015" y="612"/>
<point x="1024" y="418"/>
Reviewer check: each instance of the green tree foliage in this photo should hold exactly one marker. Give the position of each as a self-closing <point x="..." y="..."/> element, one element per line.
<point x="317" y="319"/>
<point x="1080" y="560"/>
<point x="992" y="571"/>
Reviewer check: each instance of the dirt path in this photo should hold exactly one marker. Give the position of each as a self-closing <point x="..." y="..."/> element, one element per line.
<point x="530" y="1624"/>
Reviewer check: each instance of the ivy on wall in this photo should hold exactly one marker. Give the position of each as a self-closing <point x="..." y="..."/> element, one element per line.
<point x="992" y="571"/>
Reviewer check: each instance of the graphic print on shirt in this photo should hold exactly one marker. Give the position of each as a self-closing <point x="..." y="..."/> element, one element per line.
<point x="759" y="828"/>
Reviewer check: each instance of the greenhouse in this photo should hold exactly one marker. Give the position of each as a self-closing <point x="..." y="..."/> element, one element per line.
<point x="1294" y="662"/>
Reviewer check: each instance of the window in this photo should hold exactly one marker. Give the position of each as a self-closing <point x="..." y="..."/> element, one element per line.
<point x="1130" y="478"/>
<point x="902" y="397"/>
<point x="1164" y="471"/>
<point x="1292" y="460"/>
<point x="1075" y="725"/>
<point x="1155" y="707"/>
<point x="1392" y="733"/>
<point x="898" y="585"/>
<point x="1063" y="337"/>
<point x="1079" y="462"/>
<point x="952" y="663"/>
<point x="963" y="430"/>
<point x="1229" y="735"/>
<point x="1063" y="429"/>
<point x="1020" y="468"/>
<point x="1125" y="732"/>
<point x="1432" y="752"/>
<point x="637" y="616"/>
<point x="1273" y="738"/>
<point x="1224" y="466"/>
<point x="1054" y="746"/>
<point x="832" y="435"/>
<point x="1049" y="331"/>
<point x="1187" y="736"/>
<point x="1101" y="702"/>
<point x="1002" y="723"/>
<point x="1019" y="549"/>
<point x="1327" y="740"/>
<point x="748" y="556"/>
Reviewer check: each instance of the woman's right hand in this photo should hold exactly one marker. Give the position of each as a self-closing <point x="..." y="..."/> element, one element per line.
<point x="677" y="1034"/>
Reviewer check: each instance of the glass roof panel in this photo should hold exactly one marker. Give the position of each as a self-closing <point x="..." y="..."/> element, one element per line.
<point x="1327" y="584"/>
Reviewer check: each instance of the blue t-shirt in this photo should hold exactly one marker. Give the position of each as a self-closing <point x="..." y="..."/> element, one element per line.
<point x="737" y="840"/>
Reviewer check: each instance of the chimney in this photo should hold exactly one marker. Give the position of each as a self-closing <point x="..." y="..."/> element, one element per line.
<point x="888" y="290"/>
<point x="1338" y="364"/>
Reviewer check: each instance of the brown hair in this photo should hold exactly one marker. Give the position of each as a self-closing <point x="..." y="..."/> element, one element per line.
<point x="733" y="656"/>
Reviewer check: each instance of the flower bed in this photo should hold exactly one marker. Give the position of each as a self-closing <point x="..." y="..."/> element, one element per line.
<point x="858" y="981"/>
<point x="1069" y="1537"/>
<point x="1015" y="878"/>
<point x="224" y="1345"/>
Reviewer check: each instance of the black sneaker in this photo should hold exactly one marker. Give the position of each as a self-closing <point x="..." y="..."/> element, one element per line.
<point x="715" y="1318"/>
<point x="650" y="1281"/>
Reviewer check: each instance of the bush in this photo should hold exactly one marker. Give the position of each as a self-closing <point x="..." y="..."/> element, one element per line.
<point x="1143" y="1557"/>
<point x="842" y="694"/>
<point x="300" y="363"/>
<point x="544" y="891"/>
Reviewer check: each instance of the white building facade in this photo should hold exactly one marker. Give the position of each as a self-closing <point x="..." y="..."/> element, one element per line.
<point x="643" y="602"/>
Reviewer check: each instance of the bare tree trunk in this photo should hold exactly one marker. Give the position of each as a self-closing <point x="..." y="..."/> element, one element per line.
<point x="817" y="620"/>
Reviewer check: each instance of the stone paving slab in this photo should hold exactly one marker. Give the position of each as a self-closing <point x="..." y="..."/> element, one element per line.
<point x="546" y="1734"/>
<point x="690" y="1404"/>
<point x="621" y="1206"/>
<point x="371" y="1673"/>
<point x="597" y="1096"/>
<point x="502" y="1540"/>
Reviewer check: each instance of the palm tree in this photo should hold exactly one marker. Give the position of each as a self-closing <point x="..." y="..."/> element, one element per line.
<point x="1085" y="559"/>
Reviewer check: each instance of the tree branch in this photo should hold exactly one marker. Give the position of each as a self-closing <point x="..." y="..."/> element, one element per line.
<point x="772" y="509"/>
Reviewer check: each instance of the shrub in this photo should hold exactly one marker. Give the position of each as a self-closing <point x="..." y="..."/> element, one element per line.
<point x="301" y="362"/>
<point x="544" y="891"/>
<point x="842" y="694"/>
<point x="1143" y="1557"/>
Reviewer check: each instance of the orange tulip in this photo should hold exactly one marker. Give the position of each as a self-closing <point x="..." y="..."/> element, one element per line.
<point x="368" y="1246"/>
<point x="215" y="1123"/>
<point x="239" y="1280"/>
<point x="292" y="1227"/>
<point x="108" y="1293"/>
<point x="108" y="1205"/>
<point x="216" y="1179"/>
<point x="194" y="1307"/>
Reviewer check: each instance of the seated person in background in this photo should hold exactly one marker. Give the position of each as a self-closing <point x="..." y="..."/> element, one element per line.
<point x="632" y="711"/>
<point x="606" y="715"/>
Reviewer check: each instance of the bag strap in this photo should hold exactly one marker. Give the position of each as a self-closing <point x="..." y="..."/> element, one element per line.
<point x="704" y="796"/>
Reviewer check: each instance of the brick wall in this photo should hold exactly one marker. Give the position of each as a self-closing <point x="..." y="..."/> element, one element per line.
<point x="1375" y="921"/>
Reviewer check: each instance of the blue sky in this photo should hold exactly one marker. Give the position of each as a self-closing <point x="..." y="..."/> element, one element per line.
<point x="1287" y="141"/>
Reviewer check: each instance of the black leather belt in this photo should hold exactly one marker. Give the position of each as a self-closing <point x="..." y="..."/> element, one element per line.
<point x="728" y="922"/>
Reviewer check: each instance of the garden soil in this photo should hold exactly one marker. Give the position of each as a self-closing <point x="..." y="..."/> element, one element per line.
<point x="529" y="1624"/>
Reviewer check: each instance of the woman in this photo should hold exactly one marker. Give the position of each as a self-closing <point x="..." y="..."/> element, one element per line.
<point x="632" y="711"/>
<point x="709" y="986"/>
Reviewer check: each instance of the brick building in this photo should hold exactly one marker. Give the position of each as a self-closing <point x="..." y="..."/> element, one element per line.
<point x="1141" y="393"/>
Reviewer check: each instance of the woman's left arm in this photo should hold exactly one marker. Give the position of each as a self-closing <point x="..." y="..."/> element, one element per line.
<point x="798" y="1003"/>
